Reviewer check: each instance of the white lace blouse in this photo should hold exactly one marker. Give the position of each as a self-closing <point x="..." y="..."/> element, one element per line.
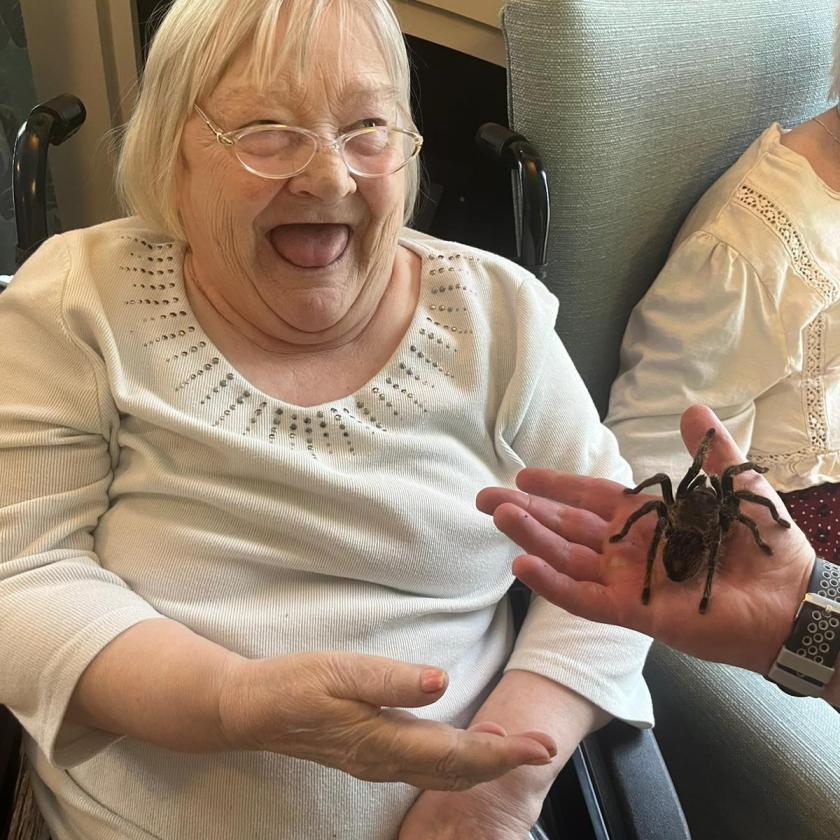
<point x="745" y="318"/>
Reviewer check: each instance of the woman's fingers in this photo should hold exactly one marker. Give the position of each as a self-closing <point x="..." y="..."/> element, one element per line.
<point x="439" y="757"/>
<point x="488" y="727"/>
<point x="384" y="682"/>
<point x="566" y="540"/>
<point x="597" y="495"/>
<point x="399" y="747"/>
<point x="346" y="710"/>
<point x="584" y="598"/>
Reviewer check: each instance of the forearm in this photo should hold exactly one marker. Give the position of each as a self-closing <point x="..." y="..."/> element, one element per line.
<point x="524" y="700"/>
<point x="158" y="682"/>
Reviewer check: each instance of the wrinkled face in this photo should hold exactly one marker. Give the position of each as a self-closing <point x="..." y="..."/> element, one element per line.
<point x="306" y="259"/>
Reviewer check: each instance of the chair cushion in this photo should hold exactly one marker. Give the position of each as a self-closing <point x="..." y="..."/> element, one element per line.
<point x="637" y="107"/>
<point x="747" y="760"/>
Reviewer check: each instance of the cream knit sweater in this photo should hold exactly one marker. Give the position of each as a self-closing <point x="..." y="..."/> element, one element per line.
<point x="142" y="476"/>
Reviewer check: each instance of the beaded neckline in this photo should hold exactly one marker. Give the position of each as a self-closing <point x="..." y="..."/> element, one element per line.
<point x="202" y="380"/>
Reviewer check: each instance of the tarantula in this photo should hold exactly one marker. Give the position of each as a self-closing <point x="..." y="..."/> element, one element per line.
<point x="695" y="523"/>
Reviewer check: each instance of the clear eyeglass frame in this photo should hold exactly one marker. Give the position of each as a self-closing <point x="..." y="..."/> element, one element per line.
<point x="232" y="140"/>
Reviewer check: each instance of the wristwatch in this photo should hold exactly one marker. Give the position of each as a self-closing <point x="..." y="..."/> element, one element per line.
<point x="806" y="662"/>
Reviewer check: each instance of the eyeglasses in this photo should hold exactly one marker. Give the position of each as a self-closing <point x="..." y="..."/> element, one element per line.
<point x="283" y="151"/>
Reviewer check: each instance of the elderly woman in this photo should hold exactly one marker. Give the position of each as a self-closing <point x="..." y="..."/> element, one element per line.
<point x="242" y="432"/>
<point x="745" y="318"/>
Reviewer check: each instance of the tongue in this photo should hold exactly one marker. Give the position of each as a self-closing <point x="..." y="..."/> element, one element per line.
<point x="310" y="246"/>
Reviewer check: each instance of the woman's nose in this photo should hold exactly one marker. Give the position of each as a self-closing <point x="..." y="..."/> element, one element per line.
<point x="327" y="177"/>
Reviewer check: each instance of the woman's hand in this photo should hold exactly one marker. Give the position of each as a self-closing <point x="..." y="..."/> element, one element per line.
<point x="564" y="523"/>
<point x="484" y="812"/>
<point x="507" y="808"/>
<point x="333" y="708"/>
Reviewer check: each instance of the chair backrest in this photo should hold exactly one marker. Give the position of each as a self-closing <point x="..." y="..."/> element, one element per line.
<point x="636" y="108"/>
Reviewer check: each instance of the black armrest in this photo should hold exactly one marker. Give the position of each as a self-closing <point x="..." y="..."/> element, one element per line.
<point x="10" y="733"/>
<point x="627" y="787"/>
<point x="531" y="198"/>
<point x="48" y="124"/>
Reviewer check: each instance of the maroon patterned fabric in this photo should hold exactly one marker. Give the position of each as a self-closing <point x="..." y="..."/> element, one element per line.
<point x="816" y="510"/>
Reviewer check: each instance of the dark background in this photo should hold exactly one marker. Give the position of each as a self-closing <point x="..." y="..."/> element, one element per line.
<point x="17" y="98"/>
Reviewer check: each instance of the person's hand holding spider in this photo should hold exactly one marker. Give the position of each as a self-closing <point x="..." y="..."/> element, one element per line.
<point x="564" y="522"/>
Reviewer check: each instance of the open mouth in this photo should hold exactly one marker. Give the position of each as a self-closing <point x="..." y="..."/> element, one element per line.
<point x="311" y="246"/>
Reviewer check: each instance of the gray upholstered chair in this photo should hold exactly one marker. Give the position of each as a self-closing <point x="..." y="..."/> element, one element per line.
<point x="636" y="107"/>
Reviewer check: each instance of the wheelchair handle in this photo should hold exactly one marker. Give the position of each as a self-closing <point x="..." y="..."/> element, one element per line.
<point x="50" y="123"/>
<point x="532" y="206"/>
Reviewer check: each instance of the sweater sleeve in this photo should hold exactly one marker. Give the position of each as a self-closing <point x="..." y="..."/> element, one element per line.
<point x="707" y="331"/>
<point x="549" y="420"/>
<point x="58" y="606"/>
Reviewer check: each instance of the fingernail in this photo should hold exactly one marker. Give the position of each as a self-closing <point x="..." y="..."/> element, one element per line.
<point x="432" y="680"/>
<point x="543" y="759"/>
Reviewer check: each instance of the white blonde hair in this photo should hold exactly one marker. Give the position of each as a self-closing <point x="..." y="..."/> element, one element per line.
<point x="195" y="44"/>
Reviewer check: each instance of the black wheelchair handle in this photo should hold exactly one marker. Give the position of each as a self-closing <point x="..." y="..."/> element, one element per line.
<point x="495" y="140"/>
<point x="50" y="123"/>
<point x="532" y="205"/>
<point x="68" y="113"/>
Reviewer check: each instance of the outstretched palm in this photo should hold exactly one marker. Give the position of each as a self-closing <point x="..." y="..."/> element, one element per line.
<point x="564" y="523"/>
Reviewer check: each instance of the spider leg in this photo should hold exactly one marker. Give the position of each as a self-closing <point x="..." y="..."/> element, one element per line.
<point x="700" y="481"/>
<point x="647" y="507"/>
<point x="697" y="464"/>
<point x="754" y="528"/>
<point x="730" y="472"/>
<point x="749" y="496"/>
<point x="660" y="478"/>
<point x="707" y="591"/>
<point x="654" y="544"/>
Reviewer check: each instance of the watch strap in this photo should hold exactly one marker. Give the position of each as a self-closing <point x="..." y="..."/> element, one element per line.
<point x="808" y="658"/>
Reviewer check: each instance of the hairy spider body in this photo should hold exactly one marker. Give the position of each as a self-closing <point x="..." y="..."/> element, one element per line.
<point x="695" y="522"/>
<point x="692" y="534"/>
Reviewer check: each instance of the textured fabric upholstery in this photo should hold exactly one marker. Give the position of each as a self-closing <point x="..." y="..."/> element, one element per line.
<point x="748" y="761"/>
<point x="636" y="107"/>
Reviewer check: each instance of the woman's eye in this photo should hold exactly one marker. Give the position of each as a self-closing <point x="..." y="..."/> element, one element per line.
<point x="250" y="122"/>
<point x="370" y="122"/>
<point x="265" y="121"/>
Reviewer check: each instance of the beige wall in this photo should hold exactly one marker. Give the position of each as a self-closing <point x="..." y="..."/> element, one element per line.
<point x="469" y="26"/>
<point x="88" y="48"/>
<point x="484" y="11"/>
